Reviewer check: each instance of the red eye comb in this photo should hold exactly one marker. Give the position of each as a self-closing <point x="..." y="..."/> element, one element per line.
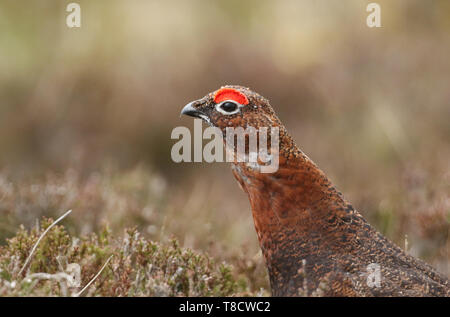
<point x="230" y="94"/>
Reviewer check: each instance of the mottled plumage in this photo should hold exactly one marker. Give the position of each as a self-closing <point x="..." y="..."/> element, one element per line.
<point x="312" y="239"/>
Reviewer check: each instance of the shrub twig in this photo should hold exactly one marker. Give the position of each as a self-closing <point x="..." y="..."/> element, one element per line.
<point x="95" y="277"/>
<point x="40" y="238"/>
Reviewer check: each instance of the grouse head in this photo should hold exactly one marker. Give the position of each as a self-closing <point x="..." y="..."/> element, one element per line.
<point x="233" y="106"/>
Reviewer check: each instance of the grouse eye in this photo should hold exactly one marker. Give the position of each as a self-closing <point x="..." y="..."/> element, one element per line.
<point x="228" y="107"/>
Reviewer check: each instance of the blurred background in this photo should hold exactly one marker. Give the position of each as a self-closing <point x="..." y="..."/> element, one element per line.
<point x="86" y="114"/>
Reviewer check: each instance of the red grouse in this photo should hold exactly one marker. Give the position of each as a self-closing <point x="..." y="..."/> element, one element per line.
<point x="312" y="239"/>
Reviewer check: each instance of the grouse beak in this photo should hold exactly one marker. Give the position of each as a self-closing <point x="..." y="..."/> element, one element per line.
<point x="189" y="110"/>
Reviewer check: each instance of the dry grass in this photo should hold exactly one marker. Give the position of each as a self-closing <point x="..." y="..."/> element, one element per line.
<point x="115" y="200"/>
<point x="99" y="265"/>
